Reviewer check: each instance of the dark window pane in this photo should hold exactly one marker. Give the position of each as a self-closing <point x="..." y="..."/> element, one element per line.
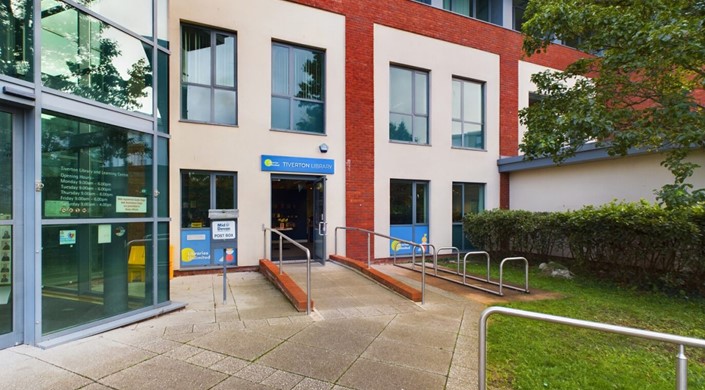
<point x="421" y="203"/>
<point x="16" y="54"/>
<point x="196" y="199"/>
<point x="308" y="116"/>
<point x="457" y="203"/>
<point x="224" y="192"/>
<point x="400" y="203"/>
<point x="163" y="177"/>
<point x="163" y="262"/>
<point x="163" y="92"/>
<point x="400" y="127"/>
<point x="93" y="170"/>
<point x="5" y="165"/>
<point x="90" y="272"/>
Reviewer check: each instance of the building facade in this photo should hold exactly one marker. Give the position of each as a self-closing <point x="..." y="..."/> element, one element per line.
<point x="310" y="115"/>
<point x="123" y="123"/>
<point x="83" y="167"/>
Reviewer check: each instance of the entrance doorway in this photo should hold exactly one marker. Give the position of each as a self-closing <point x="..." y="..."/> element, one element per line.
<point x="298" y="211"/>
<point x="11" y="304"/>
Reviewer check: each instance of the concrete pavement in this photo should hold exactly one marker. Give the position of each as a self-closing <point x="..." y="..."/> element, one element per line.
<point x="361" y="336"/>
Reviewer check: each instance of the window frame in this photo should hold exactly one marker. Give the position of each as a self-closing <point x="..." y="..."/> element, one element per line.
<point x="465" y="244"/>
<point x="290" y="96"/>
<point x="414" y="115"/>
<point x="213" y="86"/>
<point x="461" y="119"/>
<point x="212" y="188"/>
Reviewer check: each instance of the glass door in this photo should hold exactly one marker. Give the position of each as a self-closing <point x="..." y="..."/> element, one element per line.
<point x="320" y="226"/>
<point x="10" y="198"/>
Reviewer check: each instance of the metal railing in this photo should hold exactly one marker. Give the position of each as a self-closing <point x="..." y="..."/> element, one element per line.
<point x="282" y="237"/>
<point x="466" y="276"/>
<point x="682" y="342"/>
<point x="370" y="233"/>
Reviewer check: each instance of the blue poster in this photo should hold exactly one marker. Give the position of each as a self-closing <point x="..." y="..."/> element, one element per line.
<point x="195" y="247"/>
<point x="416" y="233"/>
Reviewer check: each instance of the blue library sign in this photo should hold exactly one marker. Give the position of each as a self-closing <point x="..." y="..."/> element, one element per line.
<point x="298" y="164"/>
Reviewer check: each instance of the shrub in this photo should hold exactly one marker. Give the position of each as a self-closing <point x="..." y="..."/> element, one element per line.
<point x="636" y="242"/>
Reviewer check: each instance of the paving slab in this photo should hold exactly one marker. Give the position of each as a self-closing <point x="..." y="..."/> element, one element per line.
<point x="361" y="336"/>
<point x="372" y="375"/>
<point x="312" y="362"/>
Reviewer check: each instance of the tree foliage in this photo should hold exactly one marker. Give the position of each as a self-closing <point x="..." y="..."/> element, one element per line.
<point x="644" y="88"/>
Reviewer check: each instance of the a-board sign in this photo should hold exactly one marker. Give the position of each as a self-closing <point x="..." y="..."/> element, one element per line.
<point x="223" y="230"/>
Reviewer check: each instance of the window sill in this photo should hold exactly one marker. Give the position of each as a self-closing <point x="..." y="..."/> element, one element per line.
<point x="298" y="132"/>
<point x="208" y="123"/>
<point x="469" y="149"/>
<point x="392" y="141"/>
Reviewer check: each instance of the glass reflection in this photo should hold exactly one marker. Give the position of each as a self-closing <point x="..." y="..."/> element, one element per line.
<point x="86" y="57"/>
<point x="5" y="165"/>
<point x="92" y="170"/>
<point x="135" y="15"/>
<point x="16" y="54"/>
<point x="94" y="271"/>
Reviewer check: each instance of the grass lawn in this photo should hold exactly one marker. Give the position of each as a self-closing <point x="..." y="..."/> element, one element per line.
<point x="526" y="354"/>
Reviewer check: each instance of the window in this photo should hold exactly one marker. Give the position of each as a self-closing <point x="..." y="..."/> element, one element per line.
<point x="408" y="216"/>
<point x="408" y="105"/>
<point x="479" y="9"/>
<point x="298" y="89"/>
<point x="468" y="113"/>
<point x="467" y="198"/>
<point x="208" y="76"/>
<point x="201" y="191"/>
<point x="86" y="57"/>
<point x="519" y="8"/>
<point x="16" y="56"/>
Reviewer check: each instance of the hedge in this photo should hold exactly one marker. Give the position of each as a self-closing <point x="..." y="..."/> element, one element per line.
<point x="625" y="240"/>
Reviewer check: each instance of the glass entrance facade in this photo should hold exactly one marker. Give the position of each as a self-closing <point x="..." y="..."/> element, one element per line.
<point x="91" y="233"/>
<point x="6" y="219"/>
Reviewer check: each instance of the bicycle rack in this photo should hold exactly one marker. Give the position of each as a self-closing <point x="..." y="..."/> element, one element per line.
<point x="465" y="275"/>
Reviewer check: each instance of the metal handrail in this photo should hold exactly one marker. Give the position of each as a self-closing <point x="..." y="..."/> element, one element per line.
<point x="681" y="341"/>
<point x="281" y="262"/>
<point x="369" y="257"/>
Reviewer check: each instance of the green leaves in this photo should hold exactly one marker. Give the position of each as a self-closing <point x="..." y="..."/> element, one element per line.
<point x="638" y="92"/>
<point x="639" y="242"/>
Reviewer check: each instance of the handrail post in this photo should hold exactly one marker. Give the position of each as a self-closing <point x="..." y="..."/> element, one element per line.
<point x="423" y="276"/>
<point x="264" y="245"/>
<point x="681" y="369"/>
<point x="487" y="255"/>
<point x="281" y="256"/>
<point x="308" y="282"/>
<point x="368" y="251"/>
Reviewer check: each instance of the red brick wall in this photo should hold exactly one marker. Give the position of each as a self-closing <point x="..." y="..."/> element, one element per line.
<point x="407" y="15"/>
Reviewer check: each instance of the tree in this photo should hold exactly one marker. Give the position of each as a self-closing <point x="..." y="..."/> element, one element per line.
<point x="644" y="87"/>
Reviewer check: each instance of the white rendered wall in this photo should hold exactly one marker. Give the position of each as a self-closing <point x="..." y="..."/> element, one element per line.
<point x="438" y="162"/>
<point x="526" y="70"/>
<point x="238" y="148"/>
<point x="571" y="187"/>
